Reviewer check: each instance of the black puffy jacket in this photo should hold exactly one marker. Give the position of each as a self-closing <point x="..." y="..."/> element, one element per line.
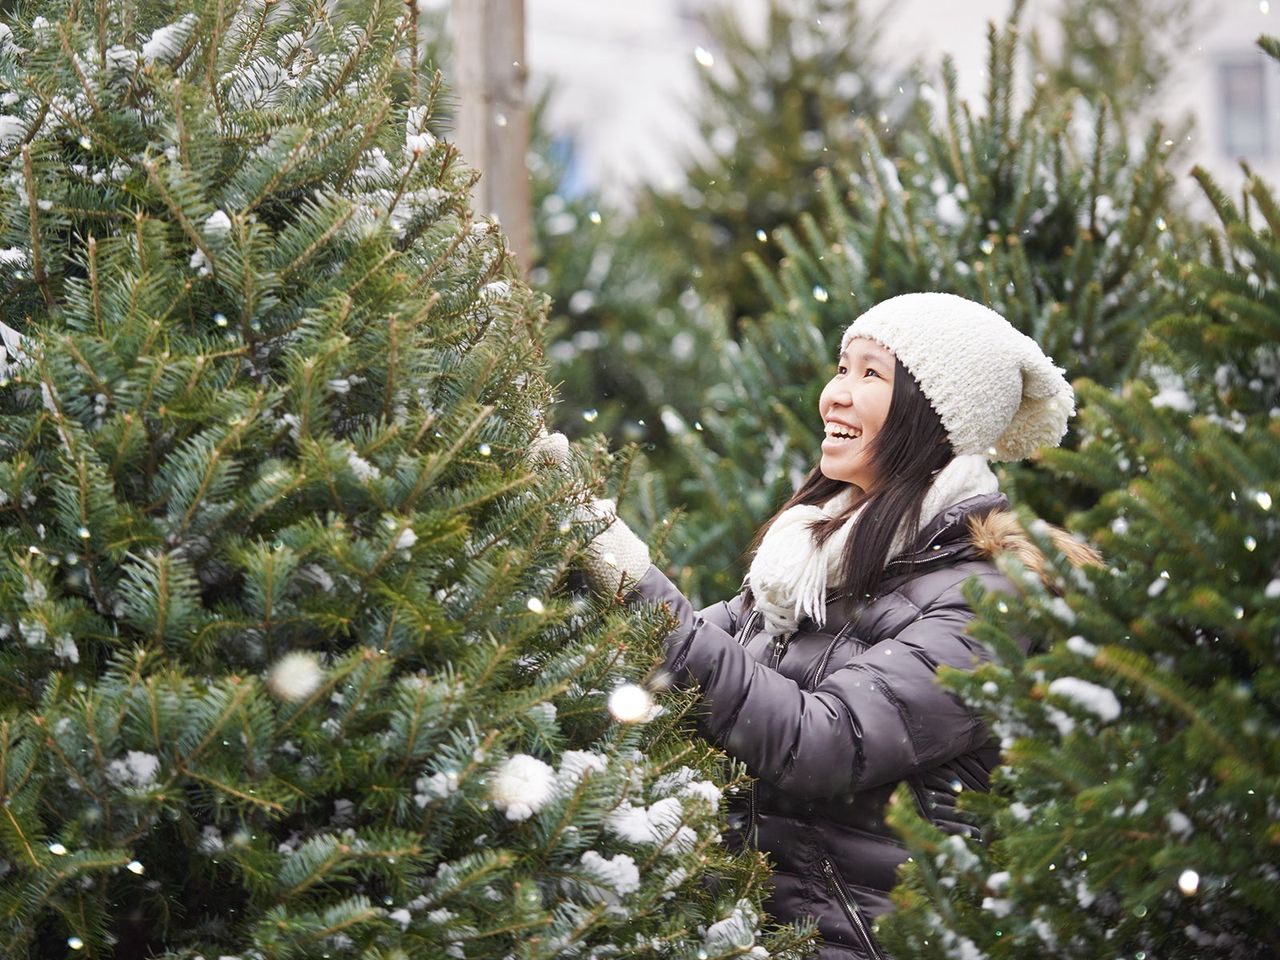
<point x="831" y="719"/>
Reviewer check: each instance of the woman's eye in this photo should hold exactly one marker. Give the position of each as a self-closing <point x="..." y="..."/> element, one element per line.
<point x="870" y="371"/>
<point x="841" y="369"/>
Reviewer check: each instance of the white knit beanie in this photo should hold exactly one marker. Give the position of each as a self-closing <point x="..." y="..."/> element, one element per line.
<point x="996" y="392"/>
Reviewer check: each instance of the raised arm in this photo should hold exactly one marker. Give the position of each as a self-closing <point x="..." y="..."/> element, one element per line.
<point x="876" y="720"/>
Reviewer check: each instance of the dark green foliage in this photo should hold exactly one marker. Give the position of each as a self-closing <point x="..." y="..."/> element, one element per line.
<point x="278" y="589"/>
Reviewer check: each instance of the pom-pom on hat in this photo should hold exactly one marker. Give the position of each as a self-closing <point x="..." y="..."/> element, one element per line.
<point x="996" y="392"/>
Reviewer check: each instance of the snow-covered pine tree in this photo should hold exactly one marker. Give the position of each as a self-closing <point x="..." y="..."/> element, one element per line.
<point x="1137" y="814"/>
<point x="1013" y="209"/>
<point x="286" y="671"/>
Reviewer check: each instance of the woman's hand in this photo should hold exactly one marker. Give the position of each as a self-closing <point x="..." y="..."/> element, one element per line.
<point x="616" y="555"/>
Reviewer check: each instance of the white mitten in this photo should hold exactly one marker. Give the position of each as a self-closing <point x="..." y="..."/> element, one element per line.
<point x="616" y="554"/>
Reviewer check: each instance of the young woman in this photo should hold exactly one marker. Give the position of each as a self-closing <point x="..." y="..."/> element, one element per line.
<point x="821" y="674"/>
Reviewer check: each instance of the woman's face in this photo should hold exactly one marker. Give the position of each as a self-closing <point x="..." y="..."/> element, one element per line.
<point x="853" y="406"/>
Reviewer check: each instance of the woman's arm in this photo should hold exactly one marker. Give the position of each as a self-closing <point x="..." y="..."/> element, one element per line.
<point x="876" y="720"/>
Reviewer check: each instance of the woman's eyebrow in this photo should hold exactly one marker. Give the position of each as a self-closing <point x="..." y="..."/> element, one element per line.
<point x="865" y="356"/>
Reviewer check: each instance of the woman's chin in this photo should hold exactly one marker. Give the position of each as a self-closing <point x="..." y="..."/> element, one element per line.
<point x="833" y="469"/>
<point x="830" y="467"/>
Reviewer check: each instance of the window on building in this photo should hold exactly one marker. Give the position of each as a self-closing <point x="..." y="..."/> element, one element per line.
<point x="1243" y="98"/>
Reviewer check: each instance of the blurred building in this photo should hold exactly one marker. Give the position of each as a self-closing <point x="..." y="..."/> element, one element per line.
<point x="623" y="74"/>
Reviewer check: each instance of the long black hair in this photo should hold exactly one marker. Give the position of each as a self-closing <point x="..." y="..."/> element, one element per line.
<point x="905" y="455"/>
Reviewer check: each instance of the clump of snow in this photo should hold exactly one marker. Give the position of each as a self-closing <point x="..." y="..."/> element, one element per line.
<point x="544" y="712"/>
<point x="1062" y="610"/>
<point x="680" y="783"/>
<point x="259" y="84"/>
<point x="704" y="790"/>
<point x="295" y="676"/>
<point x="575" y="764"/>
<point x="33" y="632"/>
<point x="362" y="468"/>
<point x="958" y="852"/>
<point x="1064" y="722"/>
<point x="522" y="786"/>
<point x="200" y="264"/>
<point x="658" y="824"/>
<point x="318" y="575"/>
<point x="438" y="786"/>
<point x="999" y="906"/>
<point x="8" y="46"/>
<point x="1090" y="696"/>
<point x="210" y="840"/>
<point x="12" y="130"/>
<point x="218" y="224"/>
<point x="1081" y="646"/>
<point x="65" y="647"/>
<point x="121" y="59"/>
<point x="165" y="43"/>
<point x="619" y="874"/>
<point x="1172" y="390"/>
<point x="34" y="591"/>
<point x="949" y="211"/>
<point x="417" y="139"/>
<point x="376" y="169"/>
<point x="1084" y="896"/>
<point x="738" y="930"/>
<point x="136" y="769"/>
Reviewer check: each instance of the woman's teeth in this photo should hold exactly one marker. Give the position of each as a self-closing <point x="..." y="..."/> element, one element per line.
<point x="842" y="434"/>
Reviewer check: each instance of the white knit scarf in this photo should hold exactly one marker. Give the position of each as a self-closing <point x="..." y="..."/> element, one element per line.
<point x="789" y="573"/>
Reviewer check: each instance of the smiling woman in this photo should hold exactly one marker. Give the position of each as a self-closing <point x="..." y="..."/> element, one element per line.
<point x="854" y="405"/>
<point x="820" y="675"/>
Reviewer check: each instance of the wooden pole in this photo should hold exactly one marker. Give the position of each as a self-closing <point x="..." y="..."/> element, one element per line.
<point x="493" y="118"/>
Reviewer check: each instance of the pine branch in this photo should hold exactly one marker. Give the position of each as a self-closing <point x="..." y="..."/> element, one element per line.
<point x="179" y="215"/>
<point x="33" y="214"/>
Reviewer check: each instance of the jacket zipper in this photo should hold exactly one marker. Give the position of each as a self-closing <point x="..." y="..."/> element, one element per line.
<point x="750" y="831"/>
<point x="779" y="648"/>
<point x="753" y="838"/>
<point x="822" y="664"/>
<point x="835" y="884"/>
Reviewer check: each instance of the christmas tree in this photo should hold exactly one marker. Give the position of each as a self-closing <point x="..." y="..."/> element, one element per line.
<point x="1136" y="814"/>
<point x="643" y="299"/>
<point x="1121" y="51"/>
<point x="287" y="669"/>
<point x="622" y="342"/>
<point x="1009" y="208"/>
<point x="771" y="111"/>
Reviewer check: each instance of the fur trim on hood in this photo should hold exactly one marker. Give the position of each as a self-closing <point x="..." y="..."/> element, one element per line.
<point x="1000" y="532"/>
